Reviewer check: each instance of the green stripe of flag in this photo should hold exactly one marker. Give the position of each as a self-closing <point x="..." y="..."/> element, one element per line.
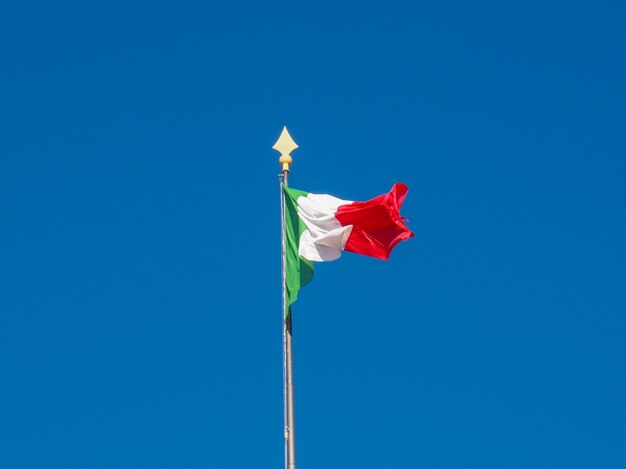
<point x="298" y="271"/>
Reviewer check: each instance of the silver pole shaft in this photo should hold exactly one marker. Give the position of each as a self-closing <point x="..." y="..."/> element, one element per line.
<point x="290" y="434"/>
<point x="290" y="423"/>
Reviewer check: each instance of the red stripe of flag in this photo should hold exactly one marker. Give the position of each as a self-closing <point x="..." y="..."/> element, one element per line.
<point x="377" y="224"/>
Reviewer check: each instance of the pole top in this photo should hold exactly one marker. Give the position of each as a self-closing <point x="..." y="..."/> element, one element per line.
<point x="285" y="145"/>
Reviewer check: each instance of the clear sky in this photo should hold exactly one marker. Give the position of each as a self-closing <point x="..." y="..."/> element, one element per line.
<point x="140" y="317"/>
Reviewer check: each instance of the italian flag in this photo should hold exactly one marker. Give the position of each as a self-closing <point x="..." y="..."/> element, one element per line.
<point x="319" y="226"/>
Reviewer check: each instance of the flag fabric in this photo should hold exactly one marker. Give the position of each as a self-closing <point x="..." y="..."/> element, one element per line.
<point x="319" y="226"/>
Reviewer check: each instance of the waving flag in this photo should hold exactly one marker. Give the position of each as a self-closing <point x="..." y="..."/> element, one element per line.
<point x="319" y="226"/>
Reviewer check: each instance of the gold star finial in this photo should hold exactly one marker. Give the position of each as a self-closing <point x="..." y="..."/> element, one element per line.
<point x="285" y="145"/>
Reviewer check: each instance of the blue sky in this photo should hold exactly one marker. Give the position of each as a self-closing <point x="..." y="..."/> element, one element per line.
<point x="140" y="243"/>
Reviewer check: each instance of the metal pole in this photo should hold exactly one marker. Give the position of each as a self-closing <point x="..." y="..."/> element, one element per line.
<point x="290" y="434"/>
<point x="290" y="428"/>
<point x="285" y="145"/>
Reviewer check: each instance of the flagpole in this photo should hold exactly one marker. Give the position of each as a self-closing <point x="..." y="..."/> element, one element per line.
<point x="285" y="145"/>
